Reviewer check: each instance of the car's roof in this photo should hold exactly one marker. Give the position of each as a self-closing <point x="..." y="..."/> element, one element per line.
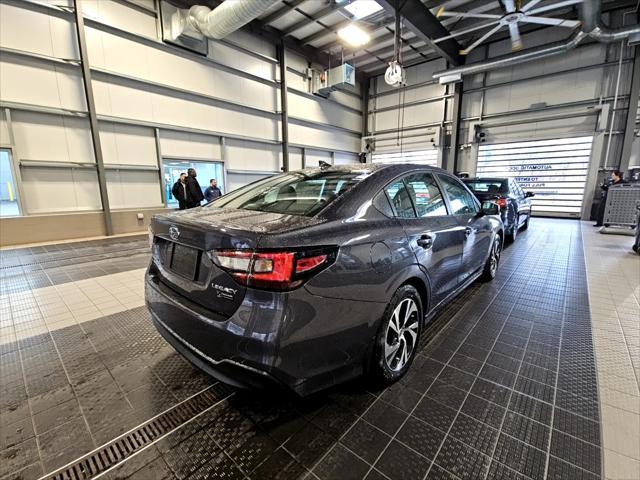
<point x="395" y="168"/>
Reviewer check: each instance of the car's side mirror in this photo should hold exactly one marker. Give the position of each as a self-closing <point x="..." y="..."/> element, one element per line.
<point x="490" y="208"/>
<point x="529" y="194"/>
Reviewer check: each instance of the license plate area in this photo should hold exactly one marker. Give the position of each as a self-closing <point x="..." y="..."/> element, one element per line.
<point x="185" y="261"/>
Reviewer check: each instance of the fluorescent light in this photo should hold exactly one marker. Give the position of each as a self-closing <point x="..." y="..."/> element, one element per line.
<point x="354" y="35"/>
<point x="363" y="8"/>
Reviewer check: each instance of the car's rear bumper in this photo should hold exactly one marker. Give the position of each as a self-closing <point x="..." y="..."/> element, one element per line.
<point x="295" y="339"/>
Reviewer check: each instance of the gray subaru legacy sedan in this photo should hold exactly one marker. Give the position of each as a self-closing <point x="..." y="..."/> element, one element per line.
<point x="307" y="279"/>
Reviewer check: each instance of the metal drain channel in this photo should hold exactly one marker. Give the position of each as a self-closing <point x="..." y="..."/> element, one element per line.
<point x="103" y="459"/>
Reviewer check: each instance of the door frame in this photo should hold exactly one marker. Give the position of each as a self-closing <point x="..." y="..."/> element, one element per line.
<point x="173" y="158"/>
<point x="17" y="180"/>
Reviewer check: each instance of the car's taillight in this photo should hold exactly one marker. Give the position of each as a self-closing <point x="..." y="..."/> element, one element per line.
<point x="502" y="202"/>
<point x="272" y="270"/>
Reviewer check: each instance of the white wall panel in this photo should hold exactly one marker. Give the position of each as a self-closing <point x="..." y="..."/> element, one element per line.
<point x="121" y="16"/>
<point x="127" y="57"/>
<point x="243" y="155"/>
<point x="314" y="157"/>
<point x="4" y="130"/>
<point x="189" y="145"/>
<point x="332" y="140"/>
<point x="235" y="180"/>
<point x="127" y="145"/>
<point x="345" y="158"/>
<point x="323" y="111"/>
<point x="48" y="190"/>
<point x="130" y="189"/>
<point x="28" y="81"/>
<point x="52" y="137"/>
<point x="36" y="32"/>
<point x="243" y="61"/>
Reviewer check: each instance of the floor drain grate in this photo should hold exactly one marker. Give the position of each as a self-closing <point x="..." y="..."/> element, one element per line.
<point x="110" y="455"/>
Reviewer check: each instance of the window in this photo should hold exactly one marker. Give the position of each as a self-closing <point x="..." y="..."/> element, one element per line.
<point x="400" y="199"/>
<point x="461" y="200"/>
<point x="292" y="193"/>
<point x="485" y="185"/>
<point x="8" y="194"/>
<point x="421" y="157"/>
<point x="426" y="195"/>
<point x="205" y="170"/>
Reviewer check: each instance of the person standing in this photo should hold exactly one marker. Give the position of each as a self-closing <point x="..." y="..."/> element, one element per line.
<point x="194" y="192"/>
<point x="213" y="191"/>
<point x="179" y="191"/>
<point x="616" y="179"/>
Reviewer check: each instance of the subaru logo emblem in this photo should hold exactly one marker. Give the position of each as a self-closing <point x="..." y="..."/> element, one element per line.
<point x="174" y="232"/>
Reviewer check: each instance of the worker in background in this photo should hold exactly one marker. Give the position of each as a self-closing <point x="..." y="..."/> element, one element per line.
<point x="194" y="192"/>
<point x="179" y="191"/>
<point x="616" y="179"/>
<point x="212" y="192"/>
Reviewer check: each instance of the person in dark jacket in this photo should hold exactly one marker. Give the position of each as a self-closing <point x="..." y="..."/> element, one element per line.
<point x="194" y="192"/>
<point x="179" y="191"/>
<point x="212" y="192"/>
<point x="616" y="179"/>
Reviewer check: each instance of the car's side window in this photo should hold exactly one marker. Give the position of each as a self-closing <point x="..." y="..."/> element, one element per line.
<point x="426" y="194"/>
<point x="400" y="198"/>
<point x="461" y="200"/>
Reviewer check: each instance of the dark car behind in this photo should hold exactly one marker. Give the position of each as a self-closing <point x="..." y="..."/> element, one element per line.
<point x="301" y="279"/>
<point x="514" y="202"/>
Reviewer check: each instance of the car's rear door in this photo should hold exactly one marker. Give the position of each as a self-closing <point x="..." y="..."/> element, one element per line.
<point x="476" y="230"/>
<point x="434" y="236"/>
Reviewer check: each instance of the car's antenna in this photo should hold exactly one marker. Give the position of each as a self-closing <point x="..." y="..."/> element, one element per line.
<point x="324" y="165"/>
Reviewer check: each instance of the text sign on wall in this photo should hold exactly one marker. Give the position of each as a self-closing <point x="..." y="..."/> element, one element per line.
<point x="555" y="170"/>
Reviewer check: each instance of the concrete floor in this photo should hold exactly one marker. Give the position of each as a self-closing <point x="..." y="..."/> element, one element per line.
<point x="532" y="376"/>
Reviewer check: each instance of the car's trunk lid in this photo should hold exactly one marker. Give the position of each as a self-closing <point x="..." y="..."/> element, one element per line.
<point x="183" y="240"/>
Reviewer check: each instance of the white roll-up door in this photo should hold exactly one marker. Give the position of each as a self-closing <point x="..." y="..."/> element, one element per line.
<point x="555" y="170"/>
<point x="420" y="157"/>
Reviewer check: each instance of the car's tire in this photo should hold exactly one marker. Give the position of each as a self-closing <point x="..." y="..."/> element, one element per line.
<point x="493" y="260"/>
<point x="397" y="340"/>
<point x="526" y="224"/>
<point x="514" y="231"/>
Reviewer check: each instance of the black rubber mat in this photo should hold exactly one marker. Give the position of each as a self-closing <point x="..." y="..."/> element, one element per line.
<point x="504" y="387"/>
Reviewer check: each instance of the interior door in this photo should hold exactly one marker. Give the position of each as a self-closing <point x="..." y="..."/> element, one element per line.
<point x="435" y="237"/>
<point x="476" y="229"/>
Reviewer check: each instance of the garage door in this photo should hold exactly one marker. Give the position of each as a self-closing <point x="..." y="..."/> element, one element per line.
<point x="555" y="170"/>
<point x="421" y="157"/>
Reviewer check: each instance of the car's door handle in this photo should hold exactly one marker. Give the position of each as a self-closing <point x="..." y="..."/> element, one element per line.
<point x="425" y="241"/>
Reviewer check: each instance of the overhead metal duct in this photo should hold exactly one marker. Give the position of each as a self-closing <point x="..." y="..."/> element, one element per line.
<point x="224" y="19"/>
<point x="592" y="26"/>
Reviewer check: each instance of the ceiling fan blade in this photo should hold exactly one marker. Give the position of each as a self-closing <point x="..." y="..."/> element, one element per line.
<point x="509" y="6"/>
<point x="530" y="5"/>
<point x="516" y="41"/>
<point x="457" y="33"/>
<point x="480" y="40"/>
<point x="555" y="6"/>
<point x="468" y="15"/>
<point x="485" y="7"/>
<point x="556" y="22"/>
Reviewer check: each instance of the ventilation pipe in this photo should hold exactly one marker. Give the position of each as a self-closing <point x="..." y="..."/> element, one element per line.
<point x="225" y="19"/>
<point x="592" y="27"/>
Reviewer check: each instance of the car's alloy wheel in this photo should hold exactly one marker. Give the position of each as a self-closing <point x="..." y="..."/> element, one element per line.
<point x="402" y="335"/>
<point x="493" y="261"/>
<point x="397" y="340"/>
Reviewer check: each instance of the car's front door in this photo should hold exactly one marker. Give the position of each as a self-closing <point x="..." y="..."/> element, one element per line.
<point x="476" y="229"/>
<point x="434" y="236"/>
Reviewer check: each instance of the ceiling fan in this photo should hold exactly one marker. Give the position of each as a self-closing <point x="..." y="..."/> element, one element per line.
<point x="515" y="13"/>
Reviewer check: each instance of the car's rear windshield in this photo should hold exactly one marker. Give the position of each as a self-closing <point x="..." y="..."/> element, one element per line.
<point x="296" y="193"/>
<point x="487" y="186"/>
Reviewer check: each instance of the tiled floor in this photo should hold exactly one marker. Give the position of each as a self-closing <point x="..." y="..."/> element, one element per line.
<point x="505" y="385"/>
<point x="613" y="274"/>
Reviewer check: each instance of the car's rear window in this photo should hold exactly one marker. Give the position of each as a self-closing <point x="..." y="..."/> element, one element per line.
<point x="296" y="193"/>
<point x="487" y="186"/>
